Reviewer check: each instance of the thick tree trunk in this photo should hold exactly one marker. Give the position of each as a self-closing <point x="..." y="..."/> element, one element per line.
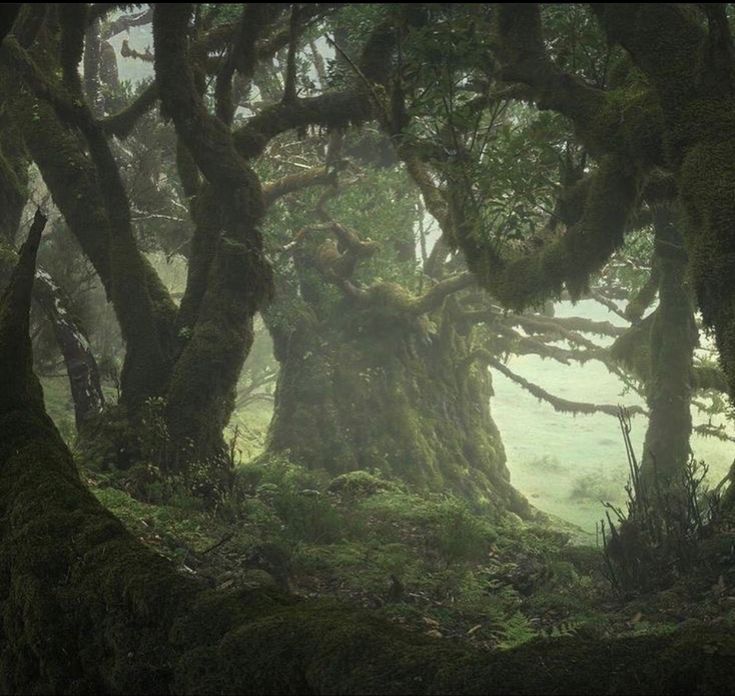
<point x="87" y="609"/>
<point x="371" y="389"/>
<point x="691" y="67"/>
<point x="229" y="246"/>
<point x="194" y="371"/>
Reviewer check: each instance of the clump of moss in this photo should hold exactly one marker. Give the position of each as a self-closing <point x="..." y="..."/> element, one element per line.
<point x="359" y="484"/>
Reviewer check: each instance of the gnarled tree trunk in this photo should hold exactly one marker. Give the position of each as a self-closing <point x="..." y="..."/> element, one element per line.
<point x="375" y="388"/>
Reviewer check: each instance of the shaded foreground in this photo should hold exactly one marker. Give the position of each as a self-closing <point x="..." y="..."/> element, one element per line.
<point x="86" y="608"/>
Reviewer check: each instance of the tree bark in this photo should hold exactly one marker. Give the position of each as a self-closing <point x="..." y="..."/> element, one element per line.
<point x="673" y="338"/>
<point x="80" y="363"/>
<point x="200" y="397"/>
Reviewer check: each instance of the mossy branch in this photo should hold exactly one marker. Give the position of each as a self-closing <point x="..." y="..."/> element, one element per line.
<point x="567" y="261"/>
<point x="122" y="123"/>
<point x="73" y="20"/>
<point x="624" y="123"/>
<point x="559" y="404"/>
<point x="607" y="302"/>
<point x="706" y="377"/>
<point x="512" y="342"/>
<point x="242" y="54"/>
<point x="566" y="327"/>
<point x="332" y="110"/>
<point x="433" y="298"/>
<point x="315" y="176"/>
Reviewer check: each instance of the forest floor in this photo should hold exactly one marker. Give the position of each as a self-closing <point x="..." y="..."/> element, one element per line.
<point x="433" y="564"/>
<point x="430" y="563"/>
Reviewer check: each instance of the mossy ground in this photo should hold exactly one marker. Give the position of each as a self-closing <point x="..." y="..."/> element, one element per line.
<point x="486" y="598"/>
<point x="428" y="563"/>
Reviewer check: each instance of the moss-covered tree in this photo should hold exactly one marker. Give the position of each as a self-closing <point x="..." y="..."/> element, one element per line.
<point x="374" y="372"/>
<point x="384" y="358"/>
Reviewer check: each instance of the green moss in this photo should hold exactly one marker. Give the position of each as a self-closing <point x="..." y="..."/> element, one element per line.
<point x="569" y="261"/>
<point x="359" y="484"/>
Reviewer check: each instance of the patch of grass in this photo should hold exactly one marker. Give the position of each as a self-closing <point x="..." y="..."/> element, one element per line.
<point x="158" y="524"/>
<point x="59" y="405"/>
<point x="597" y="487"/>
<point x="548" y="465"/>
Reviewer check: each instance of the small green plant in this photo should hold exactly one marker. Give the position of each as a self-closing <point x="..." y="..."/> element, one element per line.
<point x="308" y="517"/>
<point x="657" y="536"/>
<point x="359" y="484"/>
<point x="459" y="535"/>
